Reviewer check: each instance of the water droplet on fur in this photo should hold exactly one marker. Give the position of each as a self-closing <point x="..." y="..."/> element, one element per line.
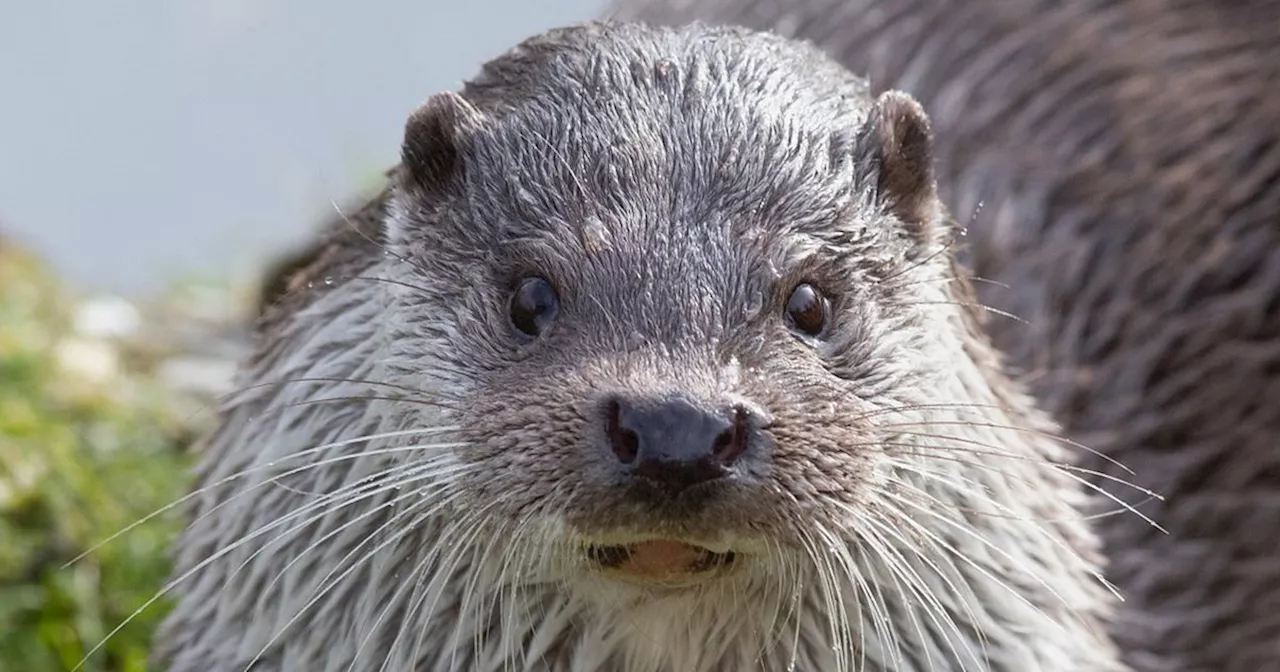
<point x="310" y="285"/>
<point x="595" y="237"/>
<point x="755" y="303"/>
<point x="328" y="280"/>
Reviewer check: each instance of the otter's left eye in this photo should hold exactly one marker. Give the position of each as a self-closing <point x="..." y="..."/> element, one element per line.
<point x="807" y="310"/>
<point x="533" y="306"/>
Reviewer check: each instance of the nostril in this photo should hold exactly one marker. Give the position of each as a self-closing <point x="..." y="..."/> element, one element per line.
<point x="624" y="442"/>
<point x="732" y="442"/>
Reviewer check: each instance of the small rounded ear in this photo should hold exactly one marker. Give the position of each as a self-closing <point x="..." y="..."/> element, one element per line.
<point x="896" y="147"/>
<point x="434" y="138"/>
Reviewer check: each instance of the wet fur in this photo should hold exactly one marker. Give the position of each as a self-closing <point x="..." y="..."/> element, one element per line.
<point x="1127" y="158"/>
<point x="396" y="487"/>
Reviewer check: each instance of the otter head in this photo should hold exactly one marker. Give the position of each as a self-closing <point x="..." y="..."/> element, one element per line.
<point x="686" y="301"/>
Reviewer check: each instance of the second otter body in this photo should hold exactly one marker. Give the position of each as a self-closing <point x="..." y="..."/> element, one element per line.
<point x="1118" y="166"/>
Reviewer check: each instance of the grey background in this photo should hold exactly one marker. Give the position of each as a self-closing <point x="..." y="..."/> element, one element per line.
<point x="140" y="139"/>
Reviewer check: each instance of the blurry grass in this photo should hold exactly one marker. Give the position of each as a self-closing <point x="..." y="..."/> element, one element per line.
<point x="81" y="457"/>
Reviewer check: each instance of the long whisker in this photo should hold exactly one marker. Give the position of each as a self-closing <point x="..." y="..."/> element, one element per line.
<point x="368" y="397"/>
<point x="418" y="569"/>
<point x="386" y="249"/>
<point x="173" y="583"/>
<point x="946" y="280"/>
<point x="467" y="545"/>
<point x="398" y="477"/>
<point x="969" y="485"/>
<point x="994" y="548"/>
<point x="973" y="304"/>
<point x="421" y="571"/>
<point x="270" y="465"/>
<point x="324" y="589"/>
<point x="837" y="550"/>
<point x="1129" y="507"/>
<point x="936" y="608"/>
<point x="1013" y="428"/>
<point x="1037" y="524"/>
<point x="281" y="382"/>
<point x="993" y="450"/>
<point x="943" y="249"/>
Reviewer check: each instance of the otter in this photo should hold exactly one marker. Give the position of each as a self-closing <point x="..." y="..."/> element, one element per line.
<point x="652" y="355"/>
<point x="1126" y="158"/>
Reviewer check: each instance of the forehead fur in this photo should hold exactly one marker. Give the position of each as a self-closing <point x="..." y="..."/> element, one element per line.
<point x="662" y="127"/>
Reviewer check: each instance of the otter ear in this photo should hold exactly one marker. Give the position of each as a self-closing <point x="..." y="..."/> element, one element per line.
<point x="896" y="148"/>
<point x="435" y="137"/>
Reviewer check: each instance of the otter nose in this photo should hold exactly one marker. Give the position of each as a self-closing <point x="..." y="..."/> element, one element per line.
<point x="673" y="442"/>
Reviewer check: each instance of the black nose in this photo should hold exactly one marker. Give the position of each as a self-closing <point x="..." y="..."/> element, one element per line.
<point x="673" y="442"/>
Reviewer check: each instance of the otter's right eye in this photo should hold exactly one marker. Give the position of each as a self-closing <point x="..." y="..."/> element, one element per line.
<point x="533" y="306"/>
<point x="807" y="310"/>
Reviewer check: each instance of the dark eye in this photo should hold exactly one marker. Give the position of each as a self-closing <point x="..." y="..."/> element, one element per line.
<point x="807" y="310"/>
<point x="533" y="306"/>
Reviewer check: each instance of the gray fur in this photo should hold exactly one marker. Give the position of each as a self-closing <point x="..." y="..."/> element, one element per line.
<point x="402" y="484"/>
<point x="1126" y="154"/>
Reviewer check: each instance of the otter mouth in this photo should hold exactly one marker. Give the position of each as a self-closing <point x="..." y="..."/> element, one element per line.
<point x="659" y="559"/>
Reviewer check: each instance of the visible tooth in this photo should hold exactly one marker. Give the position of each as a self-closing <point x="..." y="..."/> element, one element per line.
<point x="610" y="556"/>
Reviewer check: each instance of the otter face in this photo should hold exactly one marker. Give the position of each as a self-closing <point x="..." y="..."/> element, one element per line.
<point x="664" y="368"/>
<point x="678" y="291"/>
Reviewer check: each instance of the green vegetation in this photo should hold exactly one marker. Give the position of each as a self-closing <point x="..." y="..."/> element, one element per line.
<point x="89" y="443"/>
